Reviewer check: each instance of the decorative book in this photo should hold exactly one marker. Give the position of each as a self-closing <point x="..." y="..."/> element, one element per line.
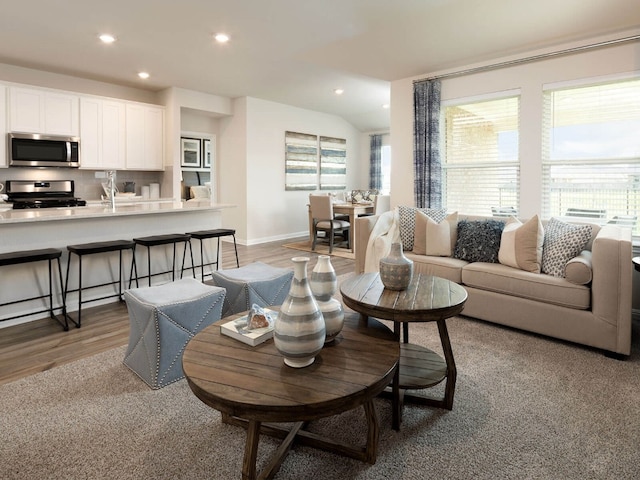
<point x="239" y="329"/>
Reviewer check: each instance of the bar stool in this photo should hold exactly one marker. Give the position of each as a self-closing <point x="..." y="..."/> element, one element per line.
<point x="217" y="233"/>
<point x="29" y="256"/>
<point x="156" y="240"/>
<point x="95" y="248"/>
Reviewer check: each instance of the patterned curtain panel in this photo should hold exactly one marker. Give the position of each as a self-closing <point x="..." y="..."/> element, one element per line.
<point x="426" y="153"/>
<point x="375" y="162"/>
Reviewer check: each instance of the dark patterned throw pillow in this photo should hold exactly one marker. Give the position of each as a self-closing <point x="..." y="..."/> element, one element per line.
<point x="478" y="240"/>
<point x="408" y="222"/>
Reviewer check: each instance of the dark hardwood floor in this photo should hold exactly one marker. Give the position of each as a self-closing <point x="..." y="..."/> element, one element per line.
<point x="42" y="344"/>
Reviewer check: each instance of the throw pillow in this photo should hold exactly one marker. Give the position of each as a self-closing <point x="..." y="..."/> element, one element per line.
<point x="408" y="223"/>
<point x="478" y="240"/>
<point x="432" y="238"/>
<point x="562" y="242"/>
<point x="521" y="244"/>
<point x="578" y="269"/>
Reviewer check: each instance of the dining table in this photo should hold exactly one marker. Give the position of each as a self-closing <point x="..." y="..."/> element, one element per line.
<point x="353" y="210"/>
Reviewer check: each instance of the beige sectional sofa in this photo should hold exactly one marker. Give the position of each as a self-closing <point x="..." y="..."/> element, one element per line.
<point x="597" y="314"/>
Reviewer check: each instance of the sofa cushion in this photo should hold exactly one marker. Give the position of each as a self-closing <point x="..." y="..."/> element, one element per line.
<point x="541" y="288"/>
<point x="578" y="269"/>
<point x="478" y="240"/>
<point x="521" y="244"/>
<point x="408" y="222"/>
<point x="433" y="238"/>
<point x="443" y="267"/>
<point x="562" y="242"/>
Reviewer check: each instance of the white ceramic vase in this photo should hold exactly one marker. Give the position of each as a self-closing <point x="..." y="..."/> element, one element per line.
<point x="324" y="284"/>
<point x="299" y="330"/>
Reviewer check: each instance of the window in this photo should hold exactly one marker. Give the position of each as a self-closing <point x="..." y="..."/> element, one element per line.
<point x="481" y="167"/>
<point x="591" y="152"/>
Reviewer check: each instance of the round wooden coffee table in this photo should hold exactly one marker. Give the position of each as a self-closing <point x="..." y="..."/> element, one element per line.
<point x="252" y="385"/>
<point x="426" y="299"/>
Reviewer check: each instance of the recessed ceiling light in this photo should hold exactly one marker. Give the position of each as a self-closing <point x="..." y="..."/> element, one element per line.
<point x="221" y="37"/>
<point x="143" y="75"/>
<point x="385" y="105"/>
<point x="107" y="38"/>
<point x="338" y="91"/>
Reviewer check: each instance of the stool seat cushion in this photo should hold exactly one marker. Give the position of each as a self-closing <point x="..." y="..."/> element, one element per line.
<point x="218" y="232"/>
<point x="163" y="319"/>
<point x="257" y="283"/>
<point x="26" y="256"/>
<point x="162" y="239"/>
<point x="101" y="247"/>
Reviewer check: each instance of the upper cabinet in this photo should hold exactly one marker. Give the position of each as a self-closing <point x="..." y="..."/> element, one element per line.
<point x="114" y="134"/>
<point x="145" y="137"/>
<point x="42" y="111"/>
<point x="102" y="134"/>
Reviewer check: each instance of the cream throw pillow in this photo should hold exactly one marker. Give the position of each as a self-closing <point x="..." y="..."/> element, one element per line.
<point x="436" y="239"/>
<point x="521" y="244"/>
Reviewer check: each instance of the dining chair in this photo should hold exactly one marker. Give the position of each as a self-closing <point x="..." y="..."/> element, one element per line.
<point x="381" y="204"/>
<point x="323" y="221"/>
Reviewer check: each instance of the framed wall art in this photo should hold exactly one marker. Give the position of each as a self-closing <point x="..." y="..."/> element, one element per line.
<point x="333" y="163"/>
<point x="207" y="146"/>
<point x="301" y="161"/>
<point x="190" y="152"/>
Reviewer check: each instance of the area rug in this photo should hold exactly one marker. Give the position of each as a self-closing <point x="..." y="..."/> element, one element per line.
<point x="321" y="249"/>
<point x="526" y="407"/>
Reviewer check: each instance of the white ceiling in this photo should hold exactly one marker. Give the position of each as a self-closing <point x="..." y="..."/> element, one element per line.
<point x="293" y="51"/>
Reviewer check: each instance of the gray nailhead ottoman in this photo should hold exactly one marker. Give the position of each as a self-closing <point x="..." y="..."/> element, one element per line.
<point x="257" y="283"/>
<point x="163" y="319"/>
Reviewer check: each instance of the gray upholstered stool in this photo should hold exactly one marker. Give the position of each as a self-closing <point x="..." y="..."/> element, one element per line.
<point x="163" y="319"/>
<point x="257" y="283"/>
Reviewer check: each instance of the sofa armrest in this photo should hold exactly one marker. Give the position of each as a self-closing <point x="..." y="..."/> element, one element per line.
<point x="364" y="226"/>
<point x="611" y="289"/>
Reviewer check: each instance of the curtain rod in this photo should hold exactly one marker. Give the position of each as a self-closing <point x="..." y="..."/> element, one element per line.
<point x="533" y="58"/>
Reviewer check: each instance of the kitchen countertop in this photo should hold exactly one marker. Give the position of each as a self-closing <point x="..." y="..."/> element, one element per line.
<point x="98" y="210"/>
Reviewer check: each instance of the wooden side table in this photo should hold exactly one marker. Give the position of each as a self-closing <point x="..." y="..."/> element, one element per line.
<point x="426" y="299"/>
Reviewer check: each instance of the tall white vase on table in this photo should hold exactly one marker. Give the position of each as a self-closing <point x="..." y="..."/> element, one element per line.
<point x="299" y="330"/>
<point x="324" y="284"/>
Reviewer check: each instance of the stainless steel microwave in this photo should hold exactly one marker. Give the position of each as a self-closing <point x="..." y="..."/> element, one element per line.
<point x="35" y="150"/>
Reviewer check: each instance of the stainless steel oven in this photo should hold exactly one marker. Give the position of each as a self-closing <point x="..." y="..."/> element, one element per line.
<point x="35" y="150"/>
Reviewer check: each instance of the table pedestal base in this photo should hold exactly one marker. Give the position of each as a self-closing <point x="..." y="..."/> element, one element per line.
<point x="297" y="434"/>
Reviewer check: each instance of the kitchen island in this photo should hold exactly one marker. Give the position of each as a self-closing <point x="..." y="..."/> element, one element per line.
<point x="58" y="227"/>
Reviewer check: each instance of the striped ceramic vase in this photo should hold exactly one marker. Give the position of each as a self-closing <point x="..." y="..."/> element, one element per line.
<point x="299" y="330"/>
<point x="324" y="284"/>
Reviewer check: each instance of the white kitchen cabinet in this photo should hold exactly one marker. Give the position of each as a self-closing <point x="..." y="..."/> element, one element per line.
<point x="4" y="161"/>
<point x="102" y="134"/>
<point x="34" y="110"/>
<point x="145" y="137"/>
